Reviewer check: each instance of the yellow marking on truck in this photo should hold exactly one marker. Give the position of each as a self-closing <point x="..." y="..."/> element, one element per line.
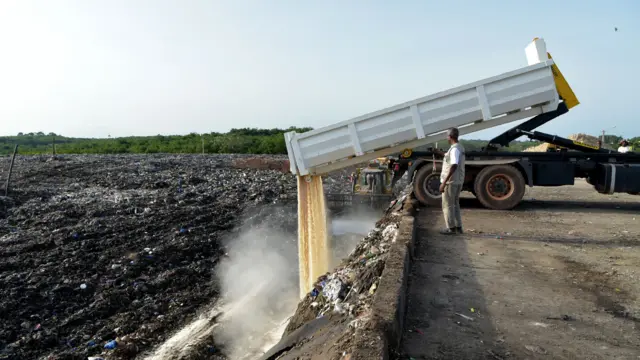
<point x="564" y="90"/>
<point x="585" y="145"/>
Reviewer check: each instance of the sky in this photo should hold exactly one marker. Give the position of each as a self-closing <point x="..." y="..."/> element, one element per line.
<point x="89" y="68"/>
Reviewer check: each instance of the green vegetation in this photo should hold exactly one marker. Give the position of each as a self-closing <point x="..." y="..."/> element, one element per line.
<point x="239" y="141"/>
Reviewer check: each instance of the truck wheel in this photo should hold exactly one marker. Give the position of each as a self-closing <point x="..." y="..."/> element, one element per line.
<point x="426" y="186"/>
<point x="499" y="187"/>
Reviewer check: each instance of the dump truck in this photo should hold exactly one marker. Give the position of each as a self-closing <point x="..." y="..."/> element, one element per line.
<point x="498" y="179"/>
<point x="537" y="92"/>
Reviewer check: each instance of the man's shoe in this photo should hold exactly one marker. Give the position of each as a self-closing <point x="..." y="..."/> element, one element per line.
<point x="451" y="231"/>
<point x="459" y="230"/>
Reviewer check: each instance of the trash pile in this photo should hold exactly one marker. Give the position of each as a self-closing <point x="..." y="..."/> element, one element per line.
<point x="347" y="292"/>
<point x="107" y="256"/>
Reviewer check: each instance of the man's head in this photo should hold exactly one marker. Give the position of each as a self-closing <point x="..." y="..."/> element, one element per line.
<point x="624" y="142"/>
<point x="452" y="135"/>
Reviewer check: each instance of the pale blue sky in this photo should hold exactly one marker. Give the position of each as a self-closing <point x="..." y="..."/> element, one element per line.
<point x="143" y="67"/>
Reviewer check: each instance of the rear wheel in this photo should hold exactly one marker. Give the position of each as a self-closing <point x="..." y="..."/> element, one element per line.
<point x="426" y="186"/>
<point x="499" y="187"/>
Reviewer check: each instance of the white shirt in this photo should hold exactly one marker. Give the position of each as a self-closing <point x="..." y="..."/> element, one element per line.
<point x="623" y="149"/>
<point x="455" y="156"/>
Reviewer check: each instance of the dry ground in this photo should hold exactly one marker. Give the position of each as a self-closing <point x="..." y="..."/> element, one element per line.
<point x="556" y="278"/>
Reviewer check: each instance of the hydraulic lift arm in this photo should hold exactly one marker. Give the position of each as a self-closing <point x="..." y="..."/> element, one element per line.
<point x="517" y="131"/>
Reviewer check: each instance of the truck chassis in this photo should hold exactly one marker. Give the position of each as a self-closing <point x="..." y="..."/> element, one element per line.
<point x="499" y="178"/>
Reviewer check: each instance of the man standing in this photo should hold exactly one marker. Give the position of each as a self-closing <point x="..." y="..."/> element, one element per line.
<point x="451" y="180"/>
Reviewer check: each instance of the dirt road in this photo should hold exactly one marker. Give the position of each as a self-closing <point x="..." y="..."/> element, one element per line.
<point x="557" y="278"/>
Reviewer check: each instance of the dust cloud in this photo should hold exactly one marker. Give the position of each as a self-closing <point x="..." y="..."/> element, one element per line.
<point x="347" y="229"/>
<point x="259" y="280"/>
<point x="260" y="288"/>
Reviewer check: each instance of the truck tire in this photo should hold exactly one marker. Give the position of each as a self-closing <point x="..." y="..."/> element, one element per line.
<point x="426" y="185"/>
<point x="499" y="187"/>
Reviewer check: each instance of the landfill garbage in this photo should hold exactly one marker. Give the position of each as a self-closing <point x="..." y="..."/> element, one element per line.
<point x="333" y="289"/>
<point x="70" y="219"/>
<point x="111" y="345"/>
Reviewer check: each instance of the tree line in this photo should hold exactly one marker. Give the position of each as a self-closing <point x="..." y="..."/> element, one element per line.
<point x="236" y="141"/>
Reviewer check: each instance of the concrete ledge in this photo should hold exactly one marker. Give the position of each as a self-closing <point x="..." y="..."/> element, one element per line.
<point x="382" y="335"/>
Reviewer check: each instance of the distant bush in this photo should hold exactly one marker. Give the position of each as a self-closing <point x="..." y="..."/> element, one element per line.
<point x="239" y="141"/>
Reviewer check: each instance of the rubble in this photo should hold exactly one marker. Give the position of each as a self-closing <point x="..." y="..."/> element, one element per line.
<point x="123" y="248"/>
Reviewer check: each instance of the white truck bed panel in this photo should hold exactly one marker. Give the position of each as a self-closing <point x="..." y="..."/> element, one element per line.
<point x="490" y="102"/>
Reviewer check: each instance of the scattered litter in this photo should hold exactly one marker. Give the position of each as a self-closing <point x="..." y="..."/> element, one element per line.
<point x="372" y="289"/>
<point x="540" y="324"/>
<point x="333" y="289"/>
<point x="563" y="317"/>
<point x="472" y="310"/>
<point x="83" y="286"/>
<point x="111" y="345"/>
<point x="419" y="331"/>
<point x="465" y="316"/>
<point x="535" y="349"/>
<point x="390" y="233"/>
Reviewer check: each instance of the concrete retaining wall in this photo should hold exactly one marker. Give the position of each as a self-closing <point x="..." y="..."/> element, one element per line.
<point x="381" y="338"/>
